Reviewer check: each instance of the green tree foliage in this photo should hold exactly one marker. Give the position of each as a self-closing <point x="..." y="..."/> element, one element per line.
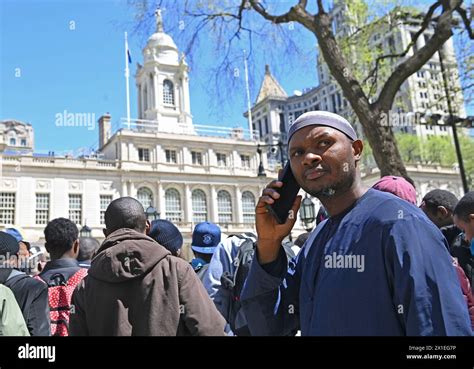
<point x="437" y="150"/>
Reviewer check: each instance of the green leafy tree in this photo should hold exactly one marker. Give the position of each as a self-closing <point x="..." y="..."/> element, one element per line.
<point x="410" y="147"/>
<point x="439" y="150"/>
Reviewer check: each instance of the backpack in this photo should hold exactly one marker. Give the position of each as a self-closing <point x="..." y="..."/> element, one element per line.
<point x="235" y="282"/>
<point x="59" y="296"/>
<point x="12" y="322"/>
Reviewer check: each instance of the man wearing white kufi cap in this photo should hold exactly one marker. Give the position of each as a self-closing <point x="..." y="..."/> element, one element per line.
<point x="376" y="266"/>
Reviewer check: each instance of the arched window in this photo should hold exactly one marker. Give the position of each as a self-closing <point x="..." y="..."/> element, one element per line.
<point x="145" y="196"/>
<point x="199" y="204"/>
<point x="248" y="207"/>
<point x="173" y="205"/>
<point x="224" y="207"/>
<point x="168" y="92"/>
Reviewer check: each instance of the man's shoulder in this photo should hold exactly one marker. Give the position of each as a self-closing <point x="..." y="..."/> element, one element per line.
<point x="26" y="283"/>
<point x="385" y="208"/>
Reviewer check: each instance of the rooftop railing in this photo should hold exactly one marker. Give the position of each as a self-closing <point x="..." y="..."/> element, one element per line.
<point x="153" y="126"/>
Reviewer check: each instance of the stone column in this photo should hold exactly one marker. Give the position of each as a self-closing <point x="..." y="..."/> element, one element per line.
<point x="188" y="211"/>
<point x="213" y="205"/>
<point x="237" y="208"/>
<point x="160" y="205"/>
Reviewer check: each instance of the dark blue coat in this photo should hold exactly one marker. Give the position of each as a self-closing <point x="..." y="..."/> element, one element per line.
<point x="380" y="268"/>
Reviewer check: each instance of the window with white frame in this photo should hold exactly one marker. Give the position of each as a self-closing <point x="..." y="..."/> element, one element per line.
<point x="75" y="208"/>
<point x="199" y="204"/>
<point x="104" y="201"/>
<point x="248" y="207"/>
<point x="173" y="205"/>
<point x="196" y="157"/>
<point x="221" y="160"/>
<point x="145" y="197"/>
<point x="143" y="154"/>
<point x="42" y="208"/>
<point x="7" y="208"/>
<point x="171" y="156"/>
<point x="245" y="160"/>
<point x="168" y="92"/>
<point x="224" y="207"/>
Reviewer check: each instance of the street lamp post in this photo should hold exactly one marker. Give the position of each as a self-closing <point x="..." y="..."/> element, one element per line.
<point x="261" y="169"/>
<point x="152" y="213"/>
<point x="307" y="213"/>
<point x="280" y="145"/>
<point x="452" y="122"/>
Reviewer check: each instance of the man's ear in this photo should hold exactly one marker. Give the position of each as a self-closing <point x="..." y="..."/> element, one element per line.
<point x="471" y="218"/>
<point x="443" y="211"/>
<point x="147" y="226"/>
<point x="357" y="148"/>
<point x="75" y="246"/>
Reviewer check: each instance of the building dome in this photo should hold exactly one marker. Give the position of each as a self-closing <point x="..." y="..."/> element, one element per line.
<point x="160" y="39"/>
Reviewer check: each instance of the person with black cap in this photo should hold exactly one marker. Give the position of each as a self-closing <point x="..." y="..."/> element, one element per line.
<point x="167" y="235"/>
<point x="376" y="266"/>
<point x="31" y="295"/>
<point x="24" y="254"/>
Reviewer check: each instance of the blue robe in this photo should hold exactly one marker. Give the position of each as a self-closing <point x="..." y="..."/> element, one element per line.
<point x="379" y="268"/>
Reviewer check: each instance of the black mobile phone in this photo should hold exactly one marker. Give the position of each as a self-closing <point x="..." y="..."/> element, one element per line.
<point x="288" y="192"/>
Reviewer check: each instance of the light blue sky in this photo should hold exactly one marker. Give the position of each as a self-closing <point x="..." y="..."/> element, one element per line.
<point x="61" y="55"/>
<point x="69" y="55"/>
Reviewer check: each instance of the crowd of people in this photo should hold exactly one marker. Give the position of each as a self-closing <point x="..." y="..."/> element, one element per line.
<point x="377" y="262"/>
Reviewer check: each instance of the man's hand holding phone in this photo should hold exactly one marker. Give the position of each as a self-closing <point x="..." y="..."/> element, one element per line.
<point x="270" y="232"/>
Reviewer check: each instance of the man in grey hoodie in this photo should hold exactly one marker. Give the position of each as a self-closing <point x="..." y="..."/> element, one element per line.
<point x="135" y="287"/>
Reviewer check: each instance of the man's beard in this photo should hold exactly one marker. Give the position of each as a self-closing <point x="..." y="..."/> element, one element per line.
<point x="337" y="188"/>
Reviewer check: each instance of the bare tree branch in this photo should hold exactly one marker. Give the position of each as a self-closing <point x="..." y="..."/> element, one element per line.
<point x="296" y="13"/>
<point x="320" y="7"/>
<point x="462" y="12"/>
<point x="283" y="18"/>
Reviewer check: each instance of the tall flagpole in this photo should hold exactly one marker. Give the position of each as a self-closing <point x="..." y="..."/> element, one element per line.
<point x="127" y="75"/>
<point x="248" y="96"/>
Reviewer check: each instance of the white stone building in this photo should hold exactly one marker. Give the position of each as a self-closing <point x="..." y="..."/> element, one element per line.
<point x="422" y="93"/>
<point x="189" y="173"/>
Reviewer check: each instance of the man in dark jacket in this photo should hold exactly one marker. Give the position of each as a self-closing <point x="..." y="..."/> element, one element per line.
<point x="31" y="295"/>
<point x="62" y="243"/>
<point x="464" y="219"/>
<point x="135" y="287"/>
<point x="63" y="273"/>
<point x="438" y="205"/>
